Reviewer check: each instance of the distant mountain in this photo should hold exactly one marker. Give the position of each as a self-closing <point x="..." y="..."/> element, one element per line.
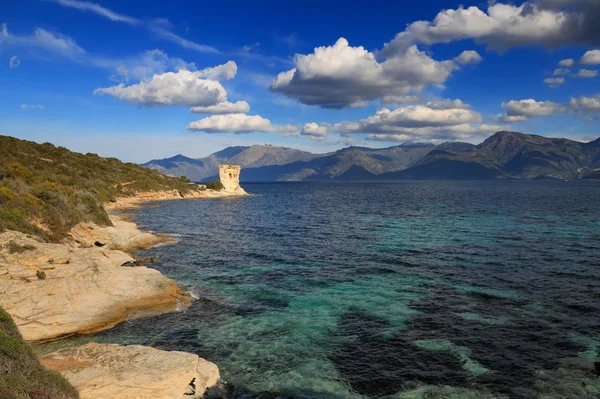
<point x="507" y="155"/>
<point x="504" y="155"/>
<point x="247" y="157"/>
<point x="352" y="163"/>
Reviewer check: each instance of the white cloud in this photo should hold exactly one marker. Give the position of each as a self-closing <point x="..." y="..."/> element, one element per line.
<point x="342" y="76"/>
<point x="503" y="26"/>
<point x="568" y="63"/>
<point x="560" y="71"/>
<point x="585" y="105"/>
<point x="47" y="42"/>
<point x="314" y="131"/>
<point x="170" y="88"/>
<point x="250" y="47"/>
<point x="408" y="99"/>
<point x="554" y="82"/>
<point x="239" y="107"/>
<point x="522" y="110"/>
<point x="142" y="66"/>
<point x="226" y="71"/>
<point x="457" y="132"/>
<point x="159" y="27"/>
<point x="14" y="62"/>
<point x="238" y="123"/>
<point x="591" y="57"/>
<point x="446" y="103"/>
<point x="468" y="57"/>
<point x="97" y="9"/>
<point x="32" y="106"/>
<point x="43" y="44"/>
<point x="432" y="121"/>
<point x="587" y="73"/>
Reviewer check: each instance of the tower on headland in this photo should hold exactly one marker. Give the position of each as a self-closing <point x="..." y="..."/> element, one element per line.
<point x="230" y="178"/>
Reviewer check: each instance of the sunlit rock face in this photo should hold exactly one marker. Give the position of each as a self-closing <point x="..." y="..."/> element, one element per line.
<point x="133" y="372"/>
<point x="230" y="177"/>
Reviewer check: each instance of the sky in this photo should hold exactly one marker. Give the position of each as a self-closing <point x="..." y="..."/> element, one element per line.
<point x="141" y="80"/>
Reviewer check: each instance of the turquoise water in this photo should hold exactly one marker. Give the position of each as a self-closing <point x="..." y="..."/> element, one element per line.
<point x="408" y="290"/>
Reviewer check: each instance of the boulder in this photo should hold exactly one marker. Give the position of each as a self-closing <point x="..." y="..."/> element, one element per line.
<point x="132" y="372"/>
<point x="89" y="293"/>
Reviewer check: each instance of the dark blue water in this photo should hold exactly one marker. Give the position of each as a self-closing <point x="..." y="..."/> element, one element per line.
<point x="404" y="290"/>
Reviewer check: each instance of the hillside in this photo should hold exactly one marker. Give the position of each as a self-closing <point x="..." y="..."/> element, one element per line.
<point x="507" y="155"/>
<point x="21" y="374"/>
<point x="46" y="190"/>
<point x="247" y="157"/>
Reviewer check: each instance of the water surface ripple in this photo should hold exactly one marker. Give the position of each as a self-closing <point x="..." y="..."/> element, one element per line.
<point x="404" y="290"/>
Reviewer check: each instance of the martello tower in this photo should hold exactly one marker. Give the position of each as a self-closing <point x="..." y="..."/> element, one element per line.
<point x="230" y="177"/>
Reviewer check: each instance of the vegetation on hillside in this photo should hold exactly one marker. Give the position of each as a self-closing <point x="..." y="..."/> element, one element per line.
<point x="215" y="185"/>
<point x="46" y="190"/>
<point x="21" y="374"/>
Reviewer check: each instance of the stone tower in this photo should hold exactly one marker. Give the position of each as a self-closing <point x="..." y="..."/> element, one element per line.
<point x="230" y="177"/>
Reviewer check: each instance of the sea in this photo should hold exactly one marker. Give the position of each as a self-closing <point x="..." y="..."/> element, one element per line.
<point x="416" y="289"/>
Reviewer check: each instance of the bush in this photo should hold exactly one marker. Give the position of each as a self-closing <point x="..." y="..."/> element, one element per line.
<point x="215" y="185"/>
<point x="41" y="275"/>
<point x="15" y="248"/>
<point x="40" y="183"/>
<point x="21" y="374"/>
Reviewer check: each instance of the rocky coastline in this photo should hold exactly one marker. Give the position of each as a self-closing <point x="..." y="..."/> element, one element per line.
<point x="89" y="283"/>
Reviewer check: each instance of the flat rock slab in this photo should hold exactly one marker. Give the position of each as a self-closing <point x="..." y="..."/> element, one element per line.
<point x="133" y="372"/>
<point x="56" y="290"/>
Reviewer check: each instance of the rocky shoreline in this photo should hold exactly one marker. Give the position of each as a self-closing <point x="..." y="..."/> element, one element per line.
<point x="87" y="284"/>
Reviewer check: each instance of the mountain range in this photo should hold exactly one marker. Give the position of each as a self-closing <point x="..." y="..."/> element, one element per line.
<point x="504" y="155"/>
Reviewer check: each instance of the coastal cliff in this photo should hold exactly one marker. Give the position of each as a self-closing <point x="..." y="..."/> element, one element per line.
<point x="133" y="372"/>
<point x="66" y="267"/>
<point x="57" y="290"/>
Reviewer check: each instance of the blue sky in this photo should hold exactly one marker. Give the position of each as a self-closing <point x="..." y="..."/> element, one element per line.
<point x="121" y="78"/>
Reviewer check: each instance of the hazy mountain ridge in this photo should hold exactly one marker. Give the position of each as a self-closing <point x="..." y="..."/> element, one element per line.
<point x="508" y="155"/>
<point x="504" y="155"/>
<point x="208" y="167"/>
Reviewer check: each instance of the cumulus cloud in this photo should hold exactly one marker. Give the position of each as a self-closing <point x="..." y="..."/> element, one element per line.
<point x="554" y="82"/>
<point x="585" y="105"/>
<point x="239" y="107"/>
<point x="14" y="62"/>
<point x="226" y="71"/>
<point x="443" y="133"/>
<point x="142" y="66"/>
<point x="314" y="131"/>
<point x="342" y="76"/>
<point x="32" y="106"/>
<point x="446" y="103"/>
<point x="430" y="121"/>
<point x="522" y="110"/>
<point x="171" y="88"/>
<point x="401" y="99"/>
<point x="591" y="57"/>
<point x="468" y="57"/>
<point x="568" y="63"/>
<point x="159" y="27"/>
<point x="238" y="123"/>
<point x="560" y="71"/>
<point x="587" y="73"/>
<point x="504" y="25"/>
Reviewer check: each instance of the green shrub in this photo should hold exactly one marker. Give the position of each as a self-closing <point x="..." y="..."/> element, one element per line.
<point x="215" y="185"/>
<point x="15" y="248"/>
<point x="21" y="374"/>
<point x="41" y="275"/>
<point x="52" y="187"/>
